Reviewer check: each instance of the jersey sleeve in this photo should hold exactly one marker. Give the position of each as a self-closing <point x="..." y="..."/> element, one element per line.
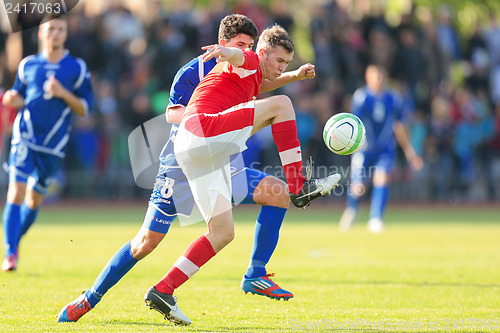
<point x="83" y="87"/>
<point x="251" y="60"/>
<point x="21" y="83"/>
<point x="184" y="84"/>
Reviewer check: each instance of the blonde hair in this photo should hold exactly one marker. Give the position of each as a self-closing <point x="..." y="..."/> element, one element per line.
<point x="273" y="37"/>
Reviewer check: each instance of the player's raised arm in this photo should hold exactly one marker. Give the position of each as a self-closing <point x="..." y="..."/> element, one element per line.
<point x="232" y="55"/>
<point x="305" y="71"/>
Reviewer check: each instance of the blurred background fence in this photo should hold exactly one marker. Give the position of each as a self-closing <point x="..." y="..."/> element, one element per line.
<point x="443" y="58"/>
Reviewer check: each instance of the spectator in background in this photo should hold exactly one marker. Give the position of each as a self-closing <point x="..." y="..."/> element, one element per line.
<point x="122" y="25"/>
<point x="307" y="124"/>
<point x="440" y="157"/>
<point x="492" y="37"/>
<point x="280" y="14"/>
<point x="409" y="65"/>
<point x="495" y="147"/>
<point x="465" y="139"/>
<point x="485" y="131"/>
<point x="437" y="63"/>
<point x="380" y="49"/>
<point x="253" y="10"/>
<point x="170" y="44"/>
<point x="447" y="34"/>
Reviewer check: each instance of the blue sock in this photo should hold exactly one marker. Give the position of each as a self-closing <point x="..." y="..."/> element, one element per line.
<point x="352" y="201"/>
<point x="11" y="227"/>
<point x="121" y="262"/>
<point x="380" y="195"/>
<point x="265" y="240"/>
<point x="28" y="216"/>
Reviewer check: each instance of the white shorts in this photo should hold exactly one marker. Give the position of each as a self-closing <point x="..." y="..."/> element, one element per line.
<point x="203" y="146"/>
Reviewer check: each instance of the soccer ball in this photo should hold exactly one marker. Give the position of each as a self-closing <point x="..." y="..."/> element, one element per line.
<point x="344" y="133"/>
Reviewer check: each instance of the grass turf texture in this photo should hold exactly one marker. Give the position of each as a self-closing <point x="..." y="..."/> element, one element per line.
<point x="434" y="266"/>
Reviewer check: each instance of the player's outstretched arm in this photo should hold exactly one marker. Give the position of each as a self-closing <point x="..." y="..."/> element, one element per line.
<point x="305" y="71"/>
<point x="13" y="99"/>
<point x="232" y="55"/>
<point x="402" y="138"/>
<point x="55" y="88"/>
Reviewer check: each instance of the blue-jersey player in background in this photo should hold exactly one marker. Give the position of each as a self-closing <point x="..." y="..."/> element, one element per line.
<point x="50" y="87"/>
<point x="172" y="196"/>
<point x="380" y="109"/>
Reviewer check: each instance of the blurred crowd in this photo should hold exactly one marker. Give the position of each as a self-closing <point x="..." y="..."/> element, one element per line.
<point x="450" y="83"/>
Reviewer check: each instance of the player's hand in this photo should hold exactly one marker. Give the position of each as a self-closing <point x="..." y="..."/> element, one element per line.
<point x="417" y="163"/>
<point x="306" y="71"/>
<point x="222" y="53"/>
<point x="55" y="88"/>
<point x="13" y="99"/>
<point x="9" y="96"/>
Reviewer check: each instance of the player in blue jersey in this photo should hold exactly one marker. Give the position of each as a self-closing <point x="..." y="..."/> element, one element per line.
<point x="380" y="109"/>
<point x="172" y="196"/>
<point x="50" y="87"/>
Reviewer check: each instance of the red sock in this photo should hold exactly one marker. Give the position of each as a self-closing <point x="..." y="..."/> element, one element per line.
<point x="196" y="255"/>
<point x="287" y="141"/>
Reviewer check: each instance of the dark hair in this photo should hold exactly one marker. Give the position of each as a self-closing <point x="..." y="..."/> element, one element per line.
<point x="275" y="36"/>
<point x="235" y="24"/>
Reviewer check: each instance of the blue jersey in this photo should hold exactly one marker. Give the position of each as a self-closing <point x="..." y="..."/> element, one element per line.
<point x="183" y="86"/>
<point x="44" y="122"/>
<point x="379" y="113"/>
<point x="171" y="193"/>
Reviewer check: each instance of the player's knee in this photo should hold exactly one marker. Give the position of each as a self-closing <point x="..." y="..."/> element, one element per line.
<point x="34" y="201"/>
<point x="226" y="237"/>
<point x="357" y="190"/>
<point x="282" y="200"/>
<point x="283" y="103"/>
<point x="142" y="249"/>
<point x="380" y="179"/>
<point x="221" y="238"/>
<point x="142" y="245"/>
<point x="272" y="192"/>
<point x="277" y="196"/>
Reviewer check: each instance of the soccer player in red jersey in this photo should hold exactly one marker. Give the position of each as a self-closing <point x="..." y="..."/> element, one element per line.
<point x="221" y="115"/>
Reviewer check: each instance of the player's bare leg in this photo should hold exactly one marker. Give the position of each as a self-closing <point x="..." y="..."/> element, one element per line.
<point x="221" y="226"/>
<point x="220" y="233"/>
<point x="278" y="112"/>
<point x="272" y="191"/>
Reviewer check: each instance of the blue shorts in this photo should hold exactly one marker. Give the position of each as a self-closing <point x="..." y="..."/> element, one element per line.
<point x="171" y="195"/>
<point x="25" y="163"/>
<point x="364" y="164"/>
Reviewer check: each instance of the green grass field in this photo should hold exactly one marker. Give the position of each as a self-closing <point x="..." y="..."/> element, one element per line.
<point x="435" y="269"/>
